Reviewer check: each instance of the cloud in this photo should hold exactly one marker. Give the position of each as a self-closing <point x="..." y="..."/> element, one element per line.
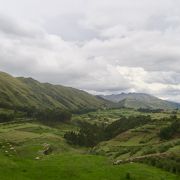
<point x="99" y="46"/>
<point x="62" y="25"/>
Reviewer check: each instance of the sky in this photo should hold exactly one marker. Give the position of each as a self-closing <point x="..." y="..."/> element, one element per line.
<point x="103" y="47"/>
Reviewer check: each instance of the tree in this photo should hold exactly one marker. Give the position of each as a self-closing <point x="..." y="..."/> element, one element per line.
<point x="57" y="115"/>
<point x="91" y="134"/>
<point x="4" y="117"/>
<point x="169" y="131"/>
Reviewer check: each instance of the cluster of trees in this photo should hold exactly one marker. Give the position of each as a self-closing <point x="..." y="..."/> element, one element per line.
<point x="46" y="115"/>
<point x="57" y="115"/>
<point x="91" y="134"/>
<point x="4" y="117"/>
<point x="171" y="130"/>
<point x="124" y="124"/>
<point x="171" y="164"/>
<point x="84" y="110"/>
<point x="5" y="105"/>
<point x="150" y="110"/>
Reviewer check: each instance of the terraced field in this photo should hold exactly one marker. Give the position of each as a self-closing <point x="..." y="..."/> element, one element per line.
<point x="31" y="150"/>
<point x="108" y="116"/>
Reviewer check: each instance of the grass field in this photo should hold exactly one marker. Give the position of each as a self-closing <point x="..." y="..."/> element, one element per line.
<point x="72" y="166"/>
<point x="108" y="116"/>
<point x="22" y="146"/>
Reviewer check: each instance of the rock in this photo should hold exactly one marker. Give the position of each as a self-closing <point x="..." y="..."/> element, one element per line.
<point x="48" y="150"/>
<point x="46" y="145"/>
<point x="118" y="162"/>
<point x="37" y="158"/>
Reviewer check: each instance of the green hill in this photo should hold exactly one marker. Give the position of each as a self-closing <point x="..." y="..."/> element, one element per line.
<point x="27" y="92"/>
<point x="140" y="100"/>
<point x="22" y="157"/>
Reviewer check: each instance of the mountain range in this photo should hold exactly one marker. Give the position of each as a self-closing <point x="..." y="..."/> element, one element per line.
<point x="140" y="100"/>
<point x="27" y="92"/>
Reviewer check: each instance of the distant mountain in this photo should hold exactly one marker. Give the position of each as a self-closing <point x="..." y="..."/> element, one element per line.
<point x="27" y="92"/>
<point x="140" y="100"/>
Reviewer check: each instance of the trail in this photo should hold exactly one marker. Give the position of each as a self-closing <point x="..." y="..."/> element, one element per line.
<point x="161" y="155"/>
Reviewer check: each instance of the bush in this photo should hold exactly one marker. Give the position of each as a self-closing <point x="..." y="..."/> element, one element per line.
<point x="150" y="110"/>
<point x="164" y="163"/>
<point x="169" y="131"/>
<point x="91" y="134"/>
<point x="128" y="176"/>
<point x="125" y="124"/>
<point x="57" y="115"/>
<point x="6" y="117"/>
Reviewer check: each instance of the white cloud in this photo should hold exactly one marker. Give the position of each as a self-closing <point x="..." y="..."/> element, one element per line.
<point x="100" y="46"/>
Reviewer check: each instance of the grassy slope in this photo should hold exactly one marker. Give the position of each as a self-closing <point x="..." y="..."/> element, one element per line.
<point x="134" y="142"/>
<point x="77" y="167"/>
<point x="108" y="116"/>
<point x="29" y="92"/>
<point x="65" y="162"/>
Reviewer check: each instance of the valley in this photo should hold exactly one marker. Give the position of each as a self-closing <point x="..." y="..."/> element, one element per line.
<point x="56" y="132"/>
<point x="23" y="143"/>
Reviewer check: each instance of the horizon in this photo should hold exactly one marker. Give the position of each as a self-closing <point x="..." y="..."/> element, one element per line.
<point x="94" y="93"/>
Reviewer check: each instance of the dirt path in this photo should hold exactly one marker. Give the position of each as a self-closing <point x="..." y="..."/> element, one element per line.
<point x="161" y="155"/>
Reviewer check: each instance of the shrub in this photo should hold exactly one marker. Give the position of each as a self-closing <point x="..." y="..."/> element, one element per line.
<point x="128" y="176"/>
<point x="91" y="134"/>
<point x="169" y="131"/>
<point x="6" y="117"/>
<point x="57" y="115"/>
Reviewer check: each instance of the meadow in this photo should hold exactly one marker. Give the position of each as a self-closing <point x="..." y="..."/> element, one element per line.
<point x="32" y="150"/>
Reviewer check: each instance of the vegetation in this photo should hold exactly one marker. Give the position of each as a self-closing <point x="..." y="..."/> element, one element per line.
<point x="146" y="110"/>
<point x="55" y="132"/>
<point x="46" y="116"/>
<point x="125" y="124"/>
<point x="78" y="167"/>
<point x="22" y="146"/>
<point x="27" y="92"/>
<point x="4" y="117"/>
<point x="171" y="130"/>
<point x="57" y="115"/>
<point x="90" y="134"/>
<point x="171" y="164"/>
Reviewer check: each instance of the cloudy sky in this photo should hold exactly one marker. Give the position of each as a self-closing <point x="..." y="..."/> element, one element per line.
<point x="104" y="46"/>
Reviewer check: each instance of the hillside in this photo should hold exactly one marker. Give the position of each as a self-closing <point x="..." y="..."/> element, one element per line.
<point x="22" y="147"/>
<point x="27" y="92"/>
<point x="134" y="137"/>
<point x="140" y="100"/>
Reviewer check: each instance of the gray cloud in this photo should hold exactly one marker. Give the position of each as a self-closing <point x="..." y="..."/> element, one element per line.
<point x="99" y="46"/>
<point x="62" y="25"/>
<point x="14" y="29"/>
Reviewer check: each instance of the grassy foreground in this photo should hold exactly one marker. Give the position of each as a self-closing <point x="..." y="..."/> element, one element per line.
<point x="22" y="142"/>
<point x="76" y="167"/>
